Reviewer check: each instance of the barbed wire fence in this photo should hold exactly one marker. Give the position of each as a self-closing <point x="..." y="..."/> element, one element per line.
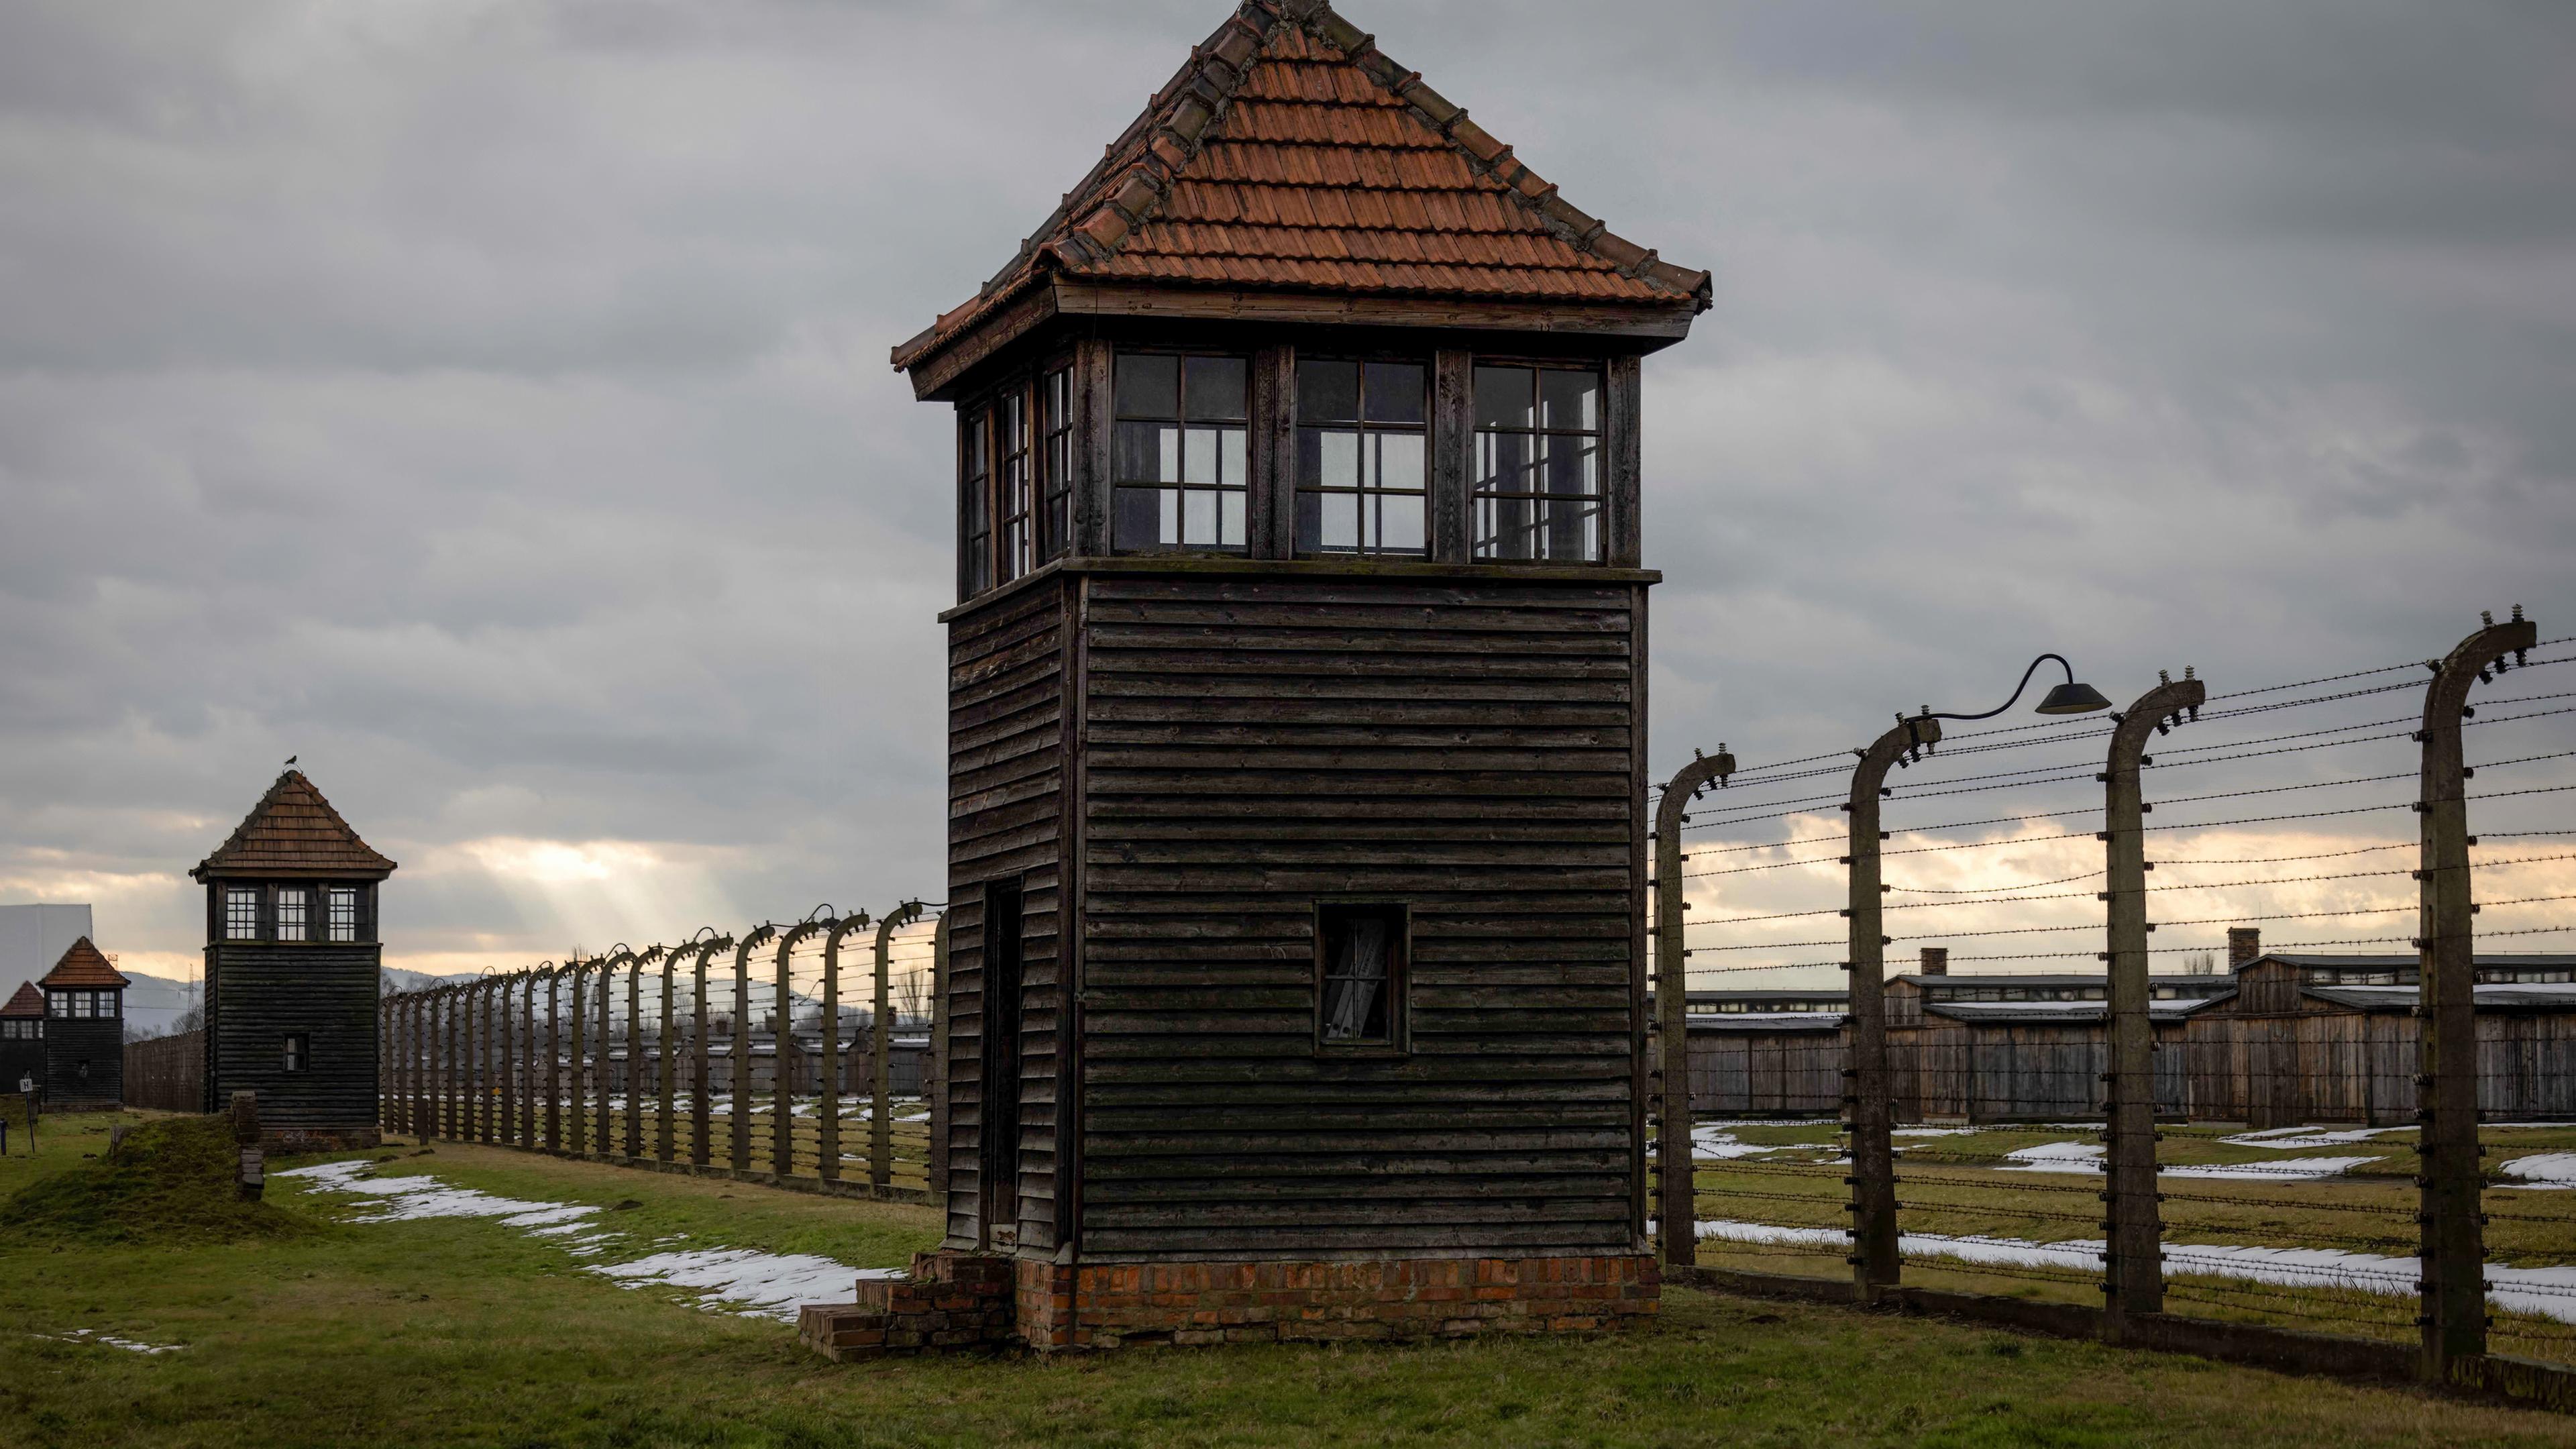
<point x="1979" y="1130"/>
<point x="781" y="1055"/>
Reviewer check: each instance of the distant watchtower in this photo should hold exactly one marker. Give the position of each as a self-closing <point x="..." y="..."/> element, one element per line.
<point x="84" y="1032"/>
<point x="292" y="965"/>
<point x="1297" y="719"/>
<point x="22" y="1039"/>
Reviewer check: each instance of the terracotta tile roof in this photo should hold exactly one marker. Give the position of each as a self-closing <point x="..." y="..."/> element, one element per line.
<point x="82" y="965"/>
<point x="1291" y="153"/>
<point x="28" y="1002"/>
<point x="293" y="831"/>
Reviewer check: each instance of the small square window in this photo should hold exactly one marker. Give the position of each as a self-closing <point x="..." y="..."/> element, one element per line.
<point x="1361" y="959"/>
<point x="241" y="914"/>
<point x="299" y="1051"/>
<point x="343" y="913"/>
<point x="291" y="914"/>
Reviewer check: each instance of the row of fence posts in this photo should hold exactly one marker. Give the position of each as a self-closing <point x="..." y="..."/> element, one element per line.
<point x="2453" y="1317"/>
<point x="486" y="1060"/>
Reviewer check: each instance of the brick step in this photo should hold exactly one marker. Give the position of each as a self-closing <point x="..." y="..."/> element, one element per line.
<point x="843" y="1332"/>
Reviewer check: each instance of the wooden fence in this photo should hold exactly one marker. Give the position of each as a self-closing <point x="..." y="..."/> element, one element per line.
<point x="167" y="1073"/>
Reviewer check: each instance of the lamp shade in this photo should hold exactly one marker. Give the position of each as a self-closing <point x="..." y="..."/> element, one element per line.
<point x="2073" y="698"/>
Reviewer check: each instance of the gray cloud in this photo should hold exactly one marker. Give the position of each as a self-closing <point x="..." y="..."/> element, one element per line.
<point x="488" y="402"/>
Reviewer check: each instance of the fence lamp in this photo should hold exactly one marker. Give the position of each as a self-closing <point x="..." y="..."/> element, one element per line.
<point x="2068" y="698"/>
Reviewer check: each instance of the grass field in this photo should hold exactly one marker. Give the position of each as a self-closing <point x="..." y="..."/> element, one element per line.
<point x="465" y="1331"/>
<point x="1958" y="1185"/>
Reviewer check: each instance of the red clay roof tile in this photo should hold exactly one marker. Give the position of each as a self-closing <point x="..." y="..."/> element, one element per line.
<point x="293" y="831"/>
<point x="1319" y="164"/>
<point x="84" y="965"/>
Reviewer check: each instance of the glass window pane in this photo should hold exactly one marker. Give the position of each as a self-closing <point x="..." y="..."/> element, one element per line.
<point x="1310" y="522"/>
<point x="1572" y="399"/>
<point x="1569" y="466"/>
<point x="1328" y="392"/>
<point x="1341" y="522"/>
<point x="1341" y="459"/>
<point x="1395" y="393"/>
<point x="1138" y="521"/>
<point x="1401" y="518"/>
<point x="1214" y="389"/>
<point x="1148" y="387"/>
<point x="1399" y="461"/>
<point x="1230" y="517"/>
<point x="1198" y="456"/>
<point x="1198" y="517"/>
<point x="1231" y="471"/>
<point x="1139" y="453"/>
<point x="1502" y="462"/>
<point x="1503" y="397"/>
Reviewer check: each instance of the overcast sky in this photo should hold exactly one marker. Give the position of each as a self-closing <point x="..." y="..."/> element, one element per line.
<point x="488" y="402"/>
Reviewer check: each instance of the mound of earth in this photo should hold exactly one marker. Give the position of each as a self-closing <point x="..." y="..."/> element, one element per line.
<point x="172" y="1181"/>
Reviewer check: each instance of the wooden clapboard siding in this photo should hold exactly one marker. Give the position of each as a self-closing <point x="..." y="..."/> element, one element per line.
<point x="259" y="991"/>
<point x="2353" y="1066"/>
<point x="1471" y="748"/>
<point x="1006" y="740"/>
<point x="1791" y="1072"/>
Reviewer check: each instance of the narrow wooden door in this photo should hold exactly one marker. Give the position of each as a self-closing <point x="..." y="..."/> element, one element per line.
<point x="998" y="1158"/>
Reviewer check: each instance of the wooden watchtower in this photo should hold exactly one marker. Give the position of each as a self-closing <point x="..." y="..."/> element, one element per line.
<point x="22" y="1039"/>
<point x="84" y="1032"/>
<point x="292" y="969"/>
<point x="1297" y="721"/>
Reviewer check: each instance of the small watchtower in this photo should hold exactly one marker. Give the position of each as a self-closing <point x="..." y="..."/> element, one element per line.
<point x="1298" y="720"/>
<point x="22" y="1039"/>
<point x="292" y="969"/>
<point x="84" y="1032"/>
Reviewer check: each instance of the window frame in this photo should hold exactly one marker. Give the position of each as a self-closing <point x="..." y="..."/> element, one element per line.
<point x="241" y="906"/>
<point x="1245" y="426"/>
<point x="297" y="1058"/>
<point x="334" y="897"/>
<point x="297" y="900"/>
<point x="1368" y="430"/>
<point x="975" y="500"/>
<point x="1014" y="486"/>
<point x="1598" y="436"/>
<point x="1054" y="416"/>
<point x="1398" y="1041"/>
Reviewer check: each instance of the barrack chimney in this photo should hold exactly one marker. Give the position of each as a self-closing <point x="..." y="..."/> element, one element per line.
<point x="1936" y="961"/>
<point x="2244" y="944"/>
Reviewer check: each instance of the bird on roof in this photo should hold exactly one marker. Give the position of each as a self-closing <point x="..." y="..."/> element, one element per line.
<point x="290" y="762"/>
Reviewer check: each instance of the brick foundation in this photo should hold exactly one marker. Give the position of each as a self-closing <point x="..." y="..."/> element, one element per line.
<point x="1105" y="1305"/>
<point x="956" y="1300"/>
<point x="950" y="1301"/>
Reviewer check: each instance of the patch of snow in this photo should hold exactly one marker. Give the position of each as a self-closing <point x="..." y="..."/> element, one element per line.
<point x="765" y="1285"/>
<point x="2086" y="1158"/>
<point x="2055" y="1157"/>
<point x="2550" y="1292"/>
<point x="2548" y="1172"/>
<point x="1936" y="1131"/>
<point x="772" y="1285"/>
<point x="109" y="1340"/>
<point x="1718" y="1144"/>
<point x="2290" y="1137"/>
<point x="410" y="1199"/>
